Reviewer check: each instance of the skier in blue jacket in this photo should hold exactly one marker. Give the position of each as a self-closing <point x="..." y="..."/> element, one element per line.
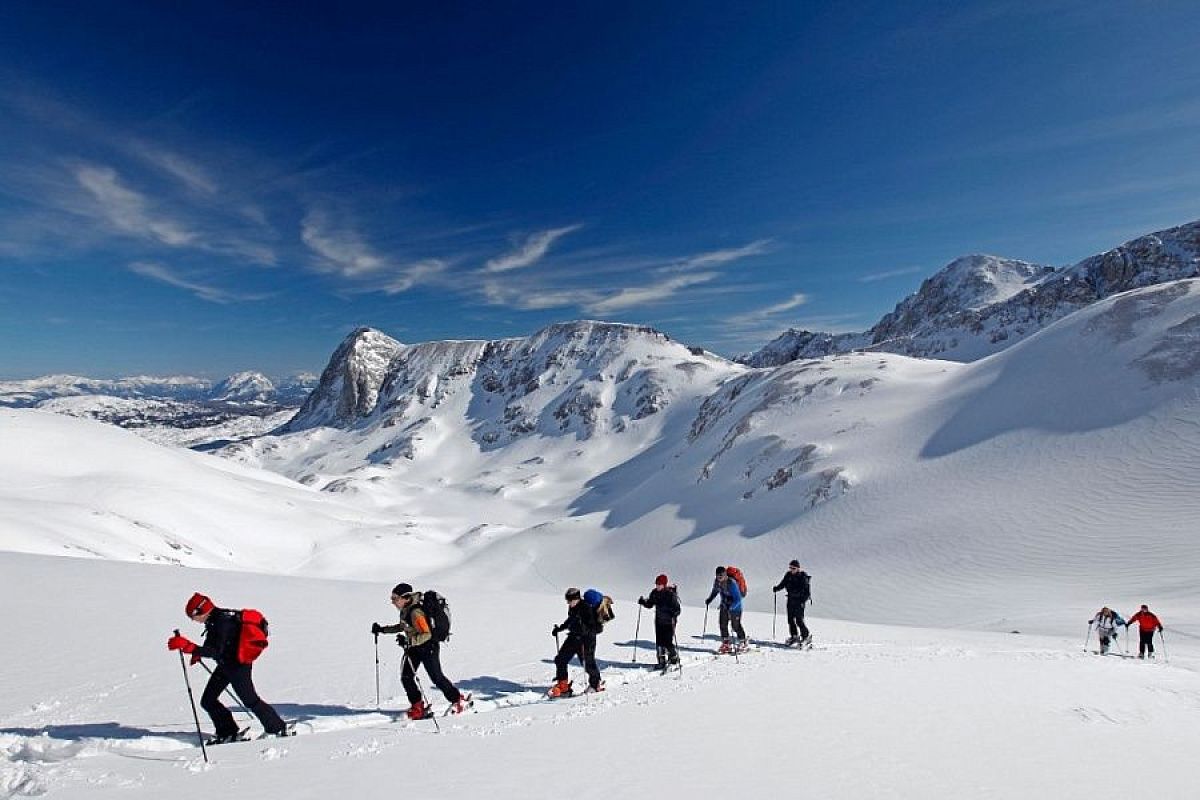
<point x="731" y="610"/>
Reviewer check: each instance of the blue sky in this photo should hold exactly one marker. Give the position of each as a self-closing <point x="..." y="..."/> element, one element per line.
<point x="202" y="188"/>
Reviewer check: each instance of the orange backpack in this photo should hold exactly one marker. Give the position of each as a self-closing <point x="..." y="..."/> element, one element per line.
<point x="736" y="574"/>
<point x="252" y="639"/>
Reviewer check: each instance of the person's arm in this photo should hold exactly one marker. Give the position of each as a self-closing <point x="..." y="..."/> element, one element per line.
<point x="712" y="594"/>
<point x="648" y="602"/>
<point x="397" y="628"/>
<point x="781" y="584"/>
<point x="216" y="638"/>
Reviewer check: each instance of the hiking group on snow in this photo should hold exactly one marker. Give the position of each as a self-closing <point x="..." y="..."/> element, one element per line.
<point x="234" y="640"/>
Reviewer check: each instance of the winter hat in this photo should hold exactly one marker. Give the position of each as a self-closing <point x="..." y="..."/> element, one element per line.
<point x="793" y="563"/>
<point x="720" y="571"/>
<point x="572" y="593"/>
<point x="661" y="580"/>
<point x="198" y="605"/>
<point x="402" y="589"/>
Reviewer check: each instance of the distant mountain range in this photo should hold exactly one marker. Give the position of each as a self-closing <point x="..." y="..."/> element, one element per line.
<point x="978" y="305"/>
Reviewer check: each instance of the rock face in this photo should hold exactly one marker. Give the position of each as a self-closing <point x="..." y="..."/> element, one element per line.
<point x="349" y="386"/>
<point x="574" y="377"/>
<point x="979" y="305"/>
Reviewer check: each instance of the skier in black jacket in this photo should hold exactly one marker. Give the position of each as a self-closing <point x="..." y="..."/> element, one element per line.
<point x="664" y="599"/>
<point x="582" y="626"/>
<point x="222" y="630"/>
<point x="796" y="581"/>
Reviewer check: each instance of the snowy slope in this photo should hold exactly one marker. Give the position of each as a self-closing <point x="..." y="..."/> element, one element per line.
<point x="72" y="487"/>
<point x="872" y="712"/>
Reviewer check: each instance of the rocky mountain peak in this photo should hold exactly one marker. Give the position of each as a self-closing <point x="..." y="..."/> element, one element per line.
<point x="349" y="385"/>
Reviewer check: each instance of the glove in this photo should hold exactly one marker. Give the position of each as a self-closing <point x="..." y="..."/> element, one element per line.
<point x="708" y="602"/>
<point x="555" y="630"/>
<point x="642" y="600"/>
<point x="195" y="659"/>
<point x="775" y="589"/>
<point x="181" y="643"/>
<point x="401" y="640"/>
<point x="375" y="629"/>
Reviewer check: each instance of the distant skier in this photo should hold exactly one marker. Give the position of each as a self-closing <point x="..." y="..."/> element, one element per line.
<point x="1148" y="623"/>
<point x="664" y="599"/>
<point x="1106" y="621"/>
<point x="731" y="610"/>
<point x="582" y="626"/>
<point x="415" y="635"/>
<point x="223" y="630"/>
<point x="796" y="581"/>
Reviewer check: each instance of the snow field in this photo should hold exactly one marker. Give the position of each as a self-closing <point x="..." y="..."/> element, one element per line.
<point x="872" y="712"/>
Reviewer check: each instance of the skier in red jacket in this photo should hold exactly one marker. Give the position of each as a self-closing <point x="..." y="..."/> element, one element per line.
<point x="1147" y="625"/>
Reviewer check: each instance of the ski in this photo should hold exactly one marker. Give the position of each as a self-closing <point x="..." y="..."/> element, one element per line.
<point x="241" y="736"/>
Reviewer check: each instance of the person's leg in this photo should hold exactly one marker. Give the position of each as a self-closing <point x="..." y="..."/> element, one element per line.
<point x="408" y="673"/>
<point x="791" y="617"/>
<point x="433" y="665"/>
<point x="736" y="618"/>
<point x="723" y="619"/>
<point x="242" y="679"/>
<point x="570" y="647"/>
<point x="587" y="654"/>
<point x="210" y="701"/>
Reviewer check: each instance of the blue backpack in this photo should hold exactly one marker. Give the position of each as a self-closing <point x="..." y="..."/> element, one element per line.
<point x="602" y="603"/>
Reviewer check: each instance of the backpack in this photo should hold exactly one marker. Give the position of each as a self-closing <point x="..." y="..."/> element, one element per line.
<point x="736" y="574"/>
<point x="252" y="636"/>
<point x="437" y="611"/>
<point x="602" y="603"/>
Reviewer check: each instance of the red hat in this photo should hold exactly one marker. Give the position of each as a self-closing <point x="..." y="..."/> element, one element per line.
<point x="198" y="605"/>
<point x="661" y="580"/>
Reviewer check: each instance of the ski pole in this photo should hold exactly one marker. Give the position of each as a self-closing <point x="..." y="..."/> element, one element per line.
<point x="237" y="701"/>
<point x="421" y="689"/>
<point x="192" y="700"/>
<point x="675" y="638"/>
<point x="1163" y="639"/>
<point x="637" y="630"/>
<point x="1089" y="636"/>
<point x="377" y="701"/>
<point x="774" y="616"/>
<point x="704" y="630"/>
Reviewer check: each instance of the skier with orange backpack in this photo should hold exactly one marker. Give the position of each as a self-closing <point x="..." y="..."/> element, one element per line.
<point x="234" y="639"/>
<point x="729" y="583"/>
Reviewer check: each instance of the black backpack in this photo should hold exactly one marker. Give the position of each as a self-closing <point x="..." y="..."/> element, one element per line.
<point x="437" y="611"/>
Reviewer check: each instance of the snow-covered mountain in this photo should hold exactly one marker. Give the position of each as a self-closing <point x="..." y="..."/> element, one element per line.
<point x="978" y="305"/>
<point x="183" y="411"/>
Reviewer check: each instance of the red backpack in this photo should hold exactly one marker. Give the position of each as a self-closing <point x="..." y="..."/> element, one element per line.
<point x="736" y="574"/>
<point x="252" y="639"/>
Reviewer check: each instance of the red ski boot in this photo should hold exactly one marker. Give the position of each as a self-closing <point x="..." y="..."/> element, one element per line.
<point x="560" y="689"/>
<point x="418" y="710"/>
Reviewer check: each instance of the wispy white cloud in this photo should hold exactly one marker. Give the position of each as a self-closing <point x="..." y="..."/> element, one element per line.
<point x="631" y="297"/>
<point x="886" y="274"/>
<point x="529" y="252"/>
<point x="719" y="257"/>
<point x="213" y="294"/>
<point x="128" y="210"/>
<point x="341" y="248"/>
<point x="191" y="174"/>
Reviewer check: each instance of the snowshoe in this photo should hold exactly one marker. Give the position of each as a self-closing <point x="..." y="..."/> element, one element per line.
<point x="417" y="711"/>
<point x="465" y="702"/>
<point x="289" y="729"/>
<point x="806" y="643"/>
<point x="560" y="689"/>
<point x="240" y="736"/>
<point x="594" y="689"/>
<point x="725" y="649"/>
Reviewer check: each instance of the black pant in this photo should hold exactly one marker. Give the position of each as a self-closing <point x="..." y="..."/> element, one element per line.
<point x="428" y="655"/>
<point x="585" y="648"/>
<point x="664" y="638"/>
<point x="795" y="616"/>
<point x="735" y="617"/>
<point x="237" y="675"/>
<point x="1145" y="642"/>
